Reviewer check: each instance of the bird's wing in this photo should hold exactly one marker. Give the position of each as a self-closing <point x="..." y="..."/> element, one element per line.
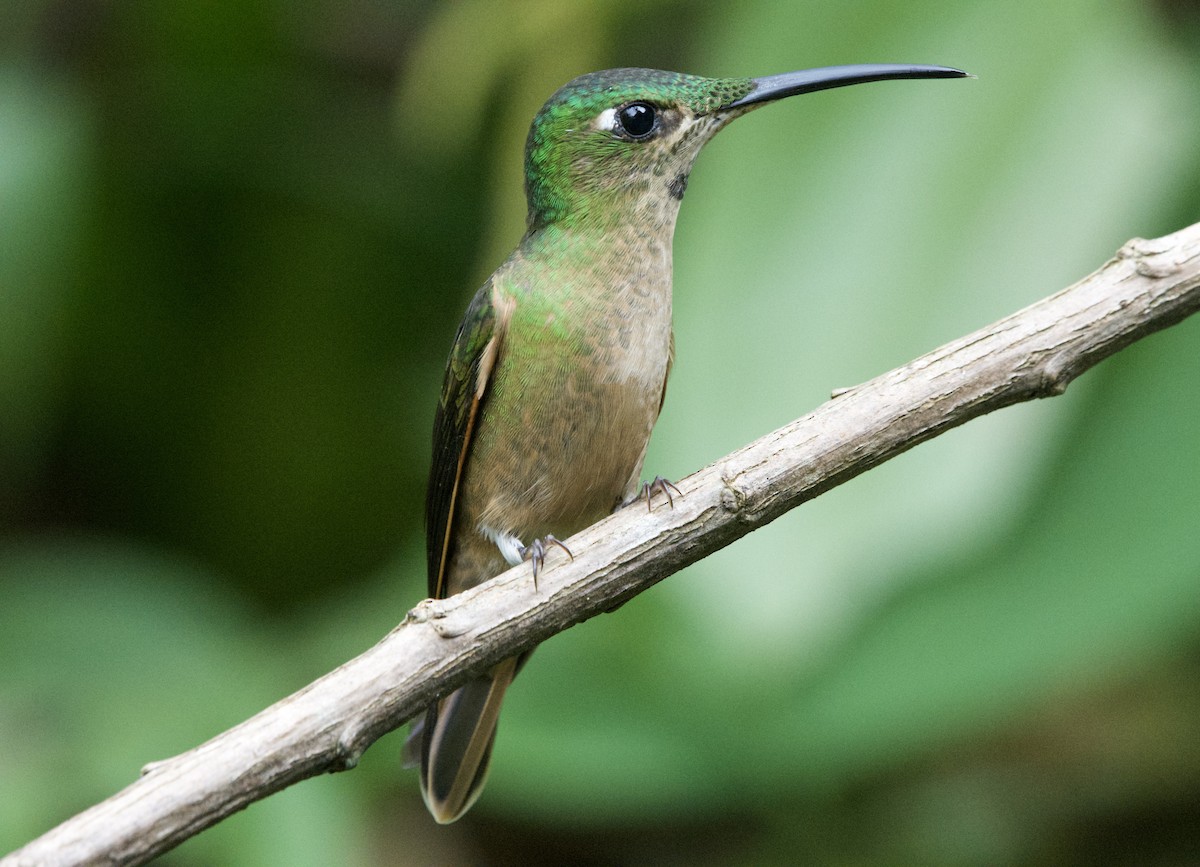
<point x="667" y="373"/>
<point x="472" y="359"/>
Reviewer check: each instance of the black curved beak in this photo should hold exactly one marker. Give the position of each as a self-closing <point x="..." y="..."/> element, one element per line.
<point x="772" y="87"/>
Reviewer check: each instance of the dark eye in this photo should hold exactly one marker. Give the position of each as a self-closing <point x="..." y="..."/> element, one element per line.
<point x="637" y="120"/>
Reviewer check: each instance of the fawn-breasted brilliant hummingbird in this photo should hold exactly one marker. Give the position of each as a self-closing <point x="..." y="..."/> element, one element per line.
<point x="558" y="370"/>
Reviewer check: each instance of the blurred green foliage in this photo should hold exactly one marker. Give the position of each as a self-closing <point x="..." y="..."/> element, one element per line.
<point x="235" y="239"/>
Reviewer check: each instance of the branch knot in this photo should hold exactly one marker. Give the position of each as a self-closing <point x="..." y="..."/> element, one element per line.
<point x="732" y="498"/>
<point x="1150" y="260"/>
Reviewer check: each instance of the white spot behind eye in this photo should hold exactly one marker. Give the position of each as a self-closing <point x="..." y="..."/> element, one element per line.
<point x="606" y="120"/>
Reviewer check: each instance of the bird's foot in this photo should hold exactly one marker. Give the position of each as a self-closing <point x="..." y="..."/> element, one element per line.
<point x="649" y="489"/>
<point x="535" y="553"/>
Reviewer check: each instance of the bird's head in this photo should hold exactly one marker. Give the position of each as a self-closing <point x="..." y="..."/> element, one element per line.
<point x="619" y="144"/>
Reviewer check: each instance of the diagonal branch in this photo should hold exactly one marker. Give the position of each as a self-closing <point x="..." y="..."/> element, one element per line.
<point x="326" y="726"/>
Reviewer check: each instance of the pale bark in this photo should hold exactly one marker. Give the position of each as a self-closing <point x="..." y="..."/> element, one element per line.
<point x="326" y="726"/>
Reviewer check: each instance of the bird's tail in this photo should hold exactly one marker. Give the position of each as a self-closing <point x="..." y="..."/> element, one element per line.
<point x="456" y="739"/>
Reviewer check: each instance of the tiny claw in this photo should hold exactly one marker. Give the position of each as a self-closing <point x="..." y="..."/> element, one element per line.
<point x="553" y="541"/>
<point x="659" y="484"/>
<point x="535" y="553"/>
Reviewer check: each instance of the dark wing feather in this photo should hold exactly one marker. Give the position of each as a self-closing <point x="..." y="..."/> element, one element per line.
<point x="471" y="359"/>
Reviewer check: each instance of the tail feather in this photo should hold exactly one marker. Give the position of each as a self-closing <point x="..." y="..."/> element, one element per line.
<point x="456" y="742"/>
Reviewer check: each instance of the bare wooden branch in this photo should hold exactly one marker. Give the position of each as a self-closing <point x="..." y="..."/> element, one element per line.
<point x="327" y="725"/>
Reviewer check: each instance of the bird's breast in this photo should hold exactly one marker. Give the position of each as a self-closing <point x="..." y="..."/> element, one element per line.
<point x="571" y="407"/>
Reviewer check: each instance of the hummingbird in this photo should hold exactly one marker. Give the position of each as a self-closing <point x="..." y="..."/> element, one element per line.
<point x="559" y="368"/>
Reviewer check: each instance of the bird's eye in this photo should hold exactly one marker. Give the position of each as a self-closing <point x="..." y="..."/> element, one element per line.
<point x="637" y="120"/>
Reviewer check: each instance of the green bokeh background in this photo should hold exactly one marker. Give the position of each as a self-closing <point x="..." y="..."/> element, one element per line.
<point x="235" y="239"/>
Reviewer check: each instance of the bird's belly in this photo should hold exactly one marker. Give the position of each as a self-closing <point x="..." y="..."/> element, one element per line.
<point x="563" y="426"/>
<point x="559" y="448"/>
<point x="568" y="460"/>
